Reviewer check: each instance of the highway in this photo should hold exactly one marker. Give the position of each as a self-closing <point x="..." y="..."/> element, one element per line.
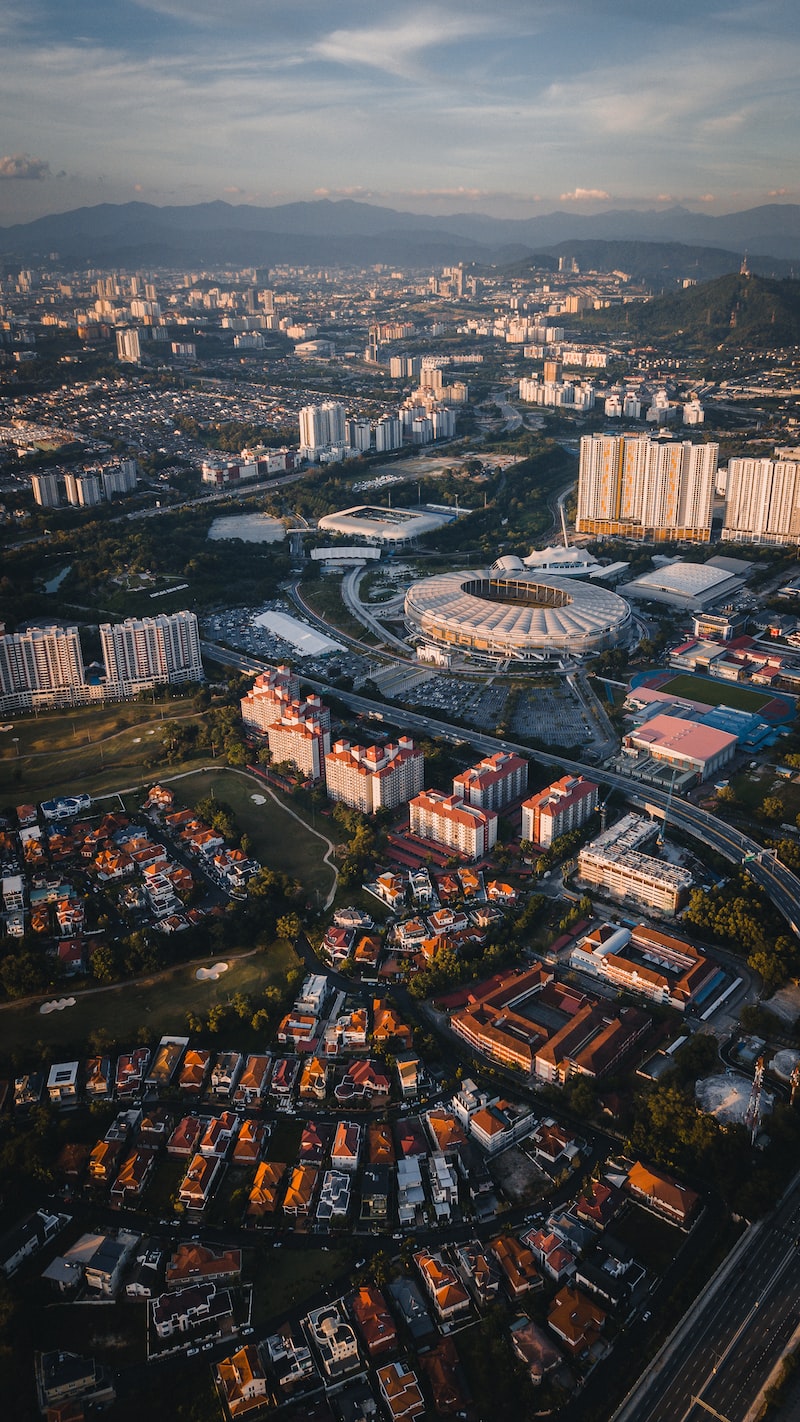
<point x="724" y="1350"/>
<point x="778" y="882"/>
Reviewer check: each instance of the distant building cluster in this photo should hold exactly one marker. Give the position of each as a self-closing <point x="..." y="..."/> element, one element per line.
<point x="44" y="666"/>
<point x="85" y="488"/>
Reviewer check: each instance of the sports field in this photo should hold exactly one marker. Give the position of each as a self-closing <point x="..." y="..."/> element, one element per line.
<point x="716" y="693"/>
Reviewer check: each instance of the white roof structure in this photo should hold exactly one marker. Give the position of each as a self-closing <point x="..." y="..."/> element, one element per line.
<point x="514" y="615"/>
<point x="298" y="634"/>
<point x="685" y="584"/>
<point x="561" y="562"/>
<point x="379" y="525"/>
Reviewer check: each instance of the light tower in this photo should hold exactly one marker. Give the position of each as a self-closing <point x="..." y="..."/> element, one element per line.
<point x="795" y="1083"/>
<point x="752" y="1118"/>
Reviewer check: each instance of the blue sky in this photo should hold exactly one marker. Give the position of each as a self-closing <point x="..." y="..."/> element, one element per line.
<point x="512" y="107"/>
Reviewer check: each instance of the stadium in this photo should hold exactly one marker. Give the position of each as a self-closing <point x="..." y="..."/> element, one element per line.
<point x="520" y="617"/>
<point x="379" y="525"/>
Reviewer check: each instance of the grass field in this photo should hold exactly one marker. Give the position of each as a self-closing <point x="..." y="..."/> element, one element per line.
<point x="325" y="599"/>
<point x="276" y="840"/>
<point x="712" y="693"/>
<point x="159" y="1004"/>
<point x="92" y="748"/>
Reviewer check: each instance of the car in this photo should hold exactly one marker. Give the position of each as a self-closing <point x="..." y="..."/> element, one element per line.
<point x="277" y="1244"/>
<point x="646" y="1316"/>
<point x="207" y="1347"/>
<point x="192" y="1352"/>
<point x="248" y="1331"/>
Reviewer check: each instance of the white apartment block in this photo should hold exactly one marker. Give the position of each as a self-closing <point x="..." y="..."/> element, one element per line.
<point x="763" y="501"/>
<point x="447" y="820"/>
<point x="151" y="651"/>
<point x="495" y="781"/>
<point x="45" y="490"/>
<point x="563" y="806"/>
<point x="267" y="698"/>
<point x="633" y="486"/>
<point x="301" y="740"/>
<point x="371" y="778"/>
<point x="43" y="666"/>
<point x="322" y="425"/>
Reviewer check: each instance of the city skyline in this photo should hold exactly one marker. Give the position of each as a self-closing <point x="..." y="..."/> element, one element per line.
<point x="516" y="110"/>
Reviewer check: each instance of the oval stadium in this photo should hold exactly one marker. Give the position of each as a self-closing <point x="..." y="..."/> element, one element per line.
<point x="519" y="617"/>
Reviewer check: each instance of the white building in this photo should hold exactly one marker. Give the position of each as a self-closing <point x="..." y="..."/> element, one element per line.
<point x="151" y="651"/>
<point x="129" y="349"/>
<point x="322" y="425"/>
<point x="763" y="501"/>
<point x="42" y="666"/>
<point x="494" y="782"/>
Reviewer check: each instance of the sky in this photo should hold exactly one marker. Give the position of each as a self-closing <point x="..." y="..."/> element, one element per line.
<point x="513" y="107"/>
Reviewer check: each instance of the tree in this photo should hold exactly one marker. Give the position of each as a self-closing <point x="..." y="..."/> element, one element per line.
<point x="289" y="927"/>
<point x="771" y="808"/>
<point x="102" y="963"/>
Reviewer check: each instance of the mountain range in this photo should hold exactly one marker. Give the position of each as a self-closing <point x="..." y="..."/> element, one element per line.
<point x="348" y="233"/>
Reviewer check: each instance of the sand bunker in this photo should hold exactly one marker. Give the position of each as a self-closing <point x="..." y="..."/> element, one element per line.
<point x="259" y="799"/>
<point x="57" y="1005"/>
<point x="726" y="1098"/>
<point x="210" y="975"/>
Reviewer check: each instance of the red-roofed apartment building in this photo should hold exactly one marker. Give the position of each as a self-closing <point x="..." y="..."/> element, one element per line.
<point x="371" y="778"/>
<point x="447" y="820"/>
<point x="563" y="806"/>
<point x="494" y="782"/>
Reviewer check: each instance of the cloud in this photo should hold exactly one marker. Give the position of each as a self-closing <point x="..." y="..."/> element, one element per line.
<point x="586" y="195"/>
<point x="779" y="192"/>
<point x="707" y="197"/>
<point x="20" y="165"/>
<point x="396" y="48"/>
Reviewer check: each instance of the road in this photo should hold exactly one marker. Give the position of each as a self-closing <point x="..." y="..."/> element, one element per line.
<point x="727" y="1345"/>
<point x="779" y="883"/>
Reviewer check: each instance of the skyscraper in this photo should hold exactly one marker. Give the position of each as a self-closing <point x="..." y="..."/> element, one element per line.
<point x="636" y="487"/>
<point x="763" y="501"/>
<point x="322" y="425"/>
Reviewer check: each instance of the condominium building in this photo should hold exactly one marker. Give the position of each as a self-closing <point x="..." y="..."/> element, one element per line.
<point x="388" y="433"/>
<point x="763" y="501"/>
<point x="632" y="486"/>
<point x="495" y="781"/>
<point x="129" y="348"/>
<point x="371" y="778"/>
<point x="614" y="862"/>
<point x="83" y="490"/>
<point x="447" y="820"/>
<point x="151" y="651"/>
<point x="267" y="698"/>
<point x="45" y="490"/>
<point x="301" y="738"/>
<point x="42" y="666"/>
<point x="322" y="425"/>
<point x="563" y="806"/>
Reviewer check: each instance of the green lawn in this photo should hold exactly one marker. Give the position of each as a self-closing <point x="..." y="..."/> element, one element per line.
<point x="160" y="1004"/>
<point x="276" y="840"/>
<point x="711" y="693"/>
<point x="92" y="748"/>
<point x="324" y="597"/>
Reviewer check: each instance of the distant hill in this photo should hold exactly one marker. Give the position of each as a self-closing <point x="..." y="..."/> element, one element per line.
<point x="733" y="310"/>
<point x="661" y="265"/>
<point x="353" y="233"/>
